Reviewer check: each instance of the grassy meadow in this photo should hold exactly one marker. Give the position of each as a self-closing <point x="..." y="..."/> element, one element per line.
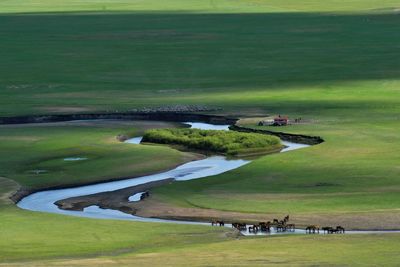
<point x="29" y="236"/>
<point x="276" y="251"/>
<point x="290" y="62"/>
<point x="334" y="63"/>
<point x="197" y="6"/>
<point x="33" y="155"/>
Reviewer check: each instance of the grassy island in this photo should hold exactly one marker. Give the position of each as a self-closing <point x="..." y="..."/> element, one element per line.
<point x="226" y="142"/>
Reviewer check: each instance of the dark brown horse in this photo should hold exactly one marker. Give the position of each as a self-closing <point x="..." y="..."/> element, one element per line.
<point x="286" y="219"/>
<point x="291" y="227"/>
<point x="218" y="223"/>
<point x="239" y="226"/>
<point x="327" y="229"/>
<point x="340" y="230"/>
<point x="265" y="226"/>
<point x="254" y="228"/>
<point x="330" y="230"/>
<point x="312" y="229"/>
<point x="281" y="227"/>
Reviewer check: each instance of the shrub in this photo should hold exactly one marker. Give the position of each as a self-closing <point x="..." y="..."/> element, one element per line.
<point x="226" y="142"/>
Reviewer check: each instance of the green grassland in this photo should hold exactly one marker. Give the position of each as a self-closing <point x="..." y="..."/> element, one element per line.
<point x="225" y="142"/>
<point x="196" y="6"/>
<point x="308" y="63"/>
<point x="32" y="235"/>
<point x="334" y="63"/>
<point x="355" y="170"/>
<point x="26" y="150"/>
<point x="370" y="250"/>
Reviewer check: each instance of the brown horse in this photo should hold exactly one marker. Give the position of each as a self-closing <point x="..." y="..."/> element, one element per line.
<point x="286" y="219"/>
<point x="340" y="230"/>
<point x="265" y="226"/>
<point x="327" y="229"/>
<point x="218" y="223"/>
<point x="330" y="230"/>
<point x="291" y="227"/>
<point x="312" y="229"/>
<point x="254" y="228"/>
<point x="239" y="226"/>
<point x="281" y="228"/>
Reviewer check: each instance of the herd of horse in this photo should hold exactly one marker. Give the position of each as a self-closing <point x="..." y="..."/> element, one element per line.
<point x="280" y="226"/>
<point x="313" y="229"/>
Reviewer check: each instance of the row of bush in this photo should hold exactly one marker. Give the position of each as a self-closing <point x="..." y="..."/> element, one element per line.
<point x="226" y="142"/>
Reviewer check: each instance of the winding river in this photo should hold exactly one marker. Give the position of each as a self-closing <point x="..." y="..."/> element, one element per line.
<point x="213" y="165"/>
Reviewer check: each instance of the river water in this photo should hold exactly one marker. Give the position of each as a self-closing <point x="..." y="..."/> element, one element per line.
<point x="213" y="165"/>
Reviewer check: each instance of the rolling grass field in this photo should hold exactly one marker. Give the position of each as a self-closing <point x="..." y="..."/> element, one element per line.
<point x="301" y="62"/>
<point x="197" y="6"/>
<point x="334" y="63"/>
<point x="33" y="155"/>
<point x="27" y="236"/>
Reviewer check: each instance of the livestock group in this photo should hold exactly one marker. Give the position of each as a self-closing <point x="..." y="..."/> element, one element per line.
<point x="279" y="226"/>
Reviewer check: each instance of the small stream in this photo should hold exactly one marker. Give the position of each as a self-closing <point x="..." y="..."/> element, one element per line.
<point x="213" y="165"/>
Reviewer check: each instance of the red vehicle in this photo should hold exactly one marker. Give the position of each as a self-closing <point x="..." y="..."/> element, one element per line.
<point x="281" y="121"/>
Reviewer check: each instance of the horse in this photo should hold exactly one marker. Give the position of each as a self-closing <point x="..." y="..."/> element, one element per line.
<point x="254" y="228"/>
<point x="330" y="230"/>
<point x="340" y="230"/>
<point x="216" y="223"/>
<point x="312" y="229"/>
<point x="327" y="229"/>
<point x="286" y="219"/>
<point x="281" y="228"/>
<point x="264" y="226"/>
<point x="291" y="227"/>
<point x="239" y="226"/>
<point x="275" y="221"/>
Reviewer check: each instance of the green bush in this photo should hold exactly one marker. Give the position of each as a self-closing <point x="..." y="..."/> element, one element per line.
<point x="226" y="142"/>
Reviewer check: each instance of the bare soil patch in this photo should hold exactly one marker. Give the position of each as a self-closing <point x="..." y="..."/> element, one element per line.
<point x="383" y="220"/>
<point x="65" y="109"/>
<point x="7" y="189"/>
<point x="152" y="207"/>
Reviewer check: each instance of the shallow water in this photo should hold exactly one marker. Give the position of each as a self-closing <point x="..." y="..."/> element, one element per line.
<point x="135" y="197"/>
<point x="44" y="201"/>
<point x="135" y="140"/>
<point x="74" y="159"/>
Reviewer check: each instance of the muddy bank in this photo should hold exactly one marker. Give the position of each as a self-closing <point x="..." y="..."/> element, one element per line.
<point x="295" y="138"/>
<point x="374" y="221"/>
<point x="156" y="115"/>
<point x="161" y="116"/>
<point x="9" y="187"/>
<point x="117" y="200"/>
<point x="152" y="207"/>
